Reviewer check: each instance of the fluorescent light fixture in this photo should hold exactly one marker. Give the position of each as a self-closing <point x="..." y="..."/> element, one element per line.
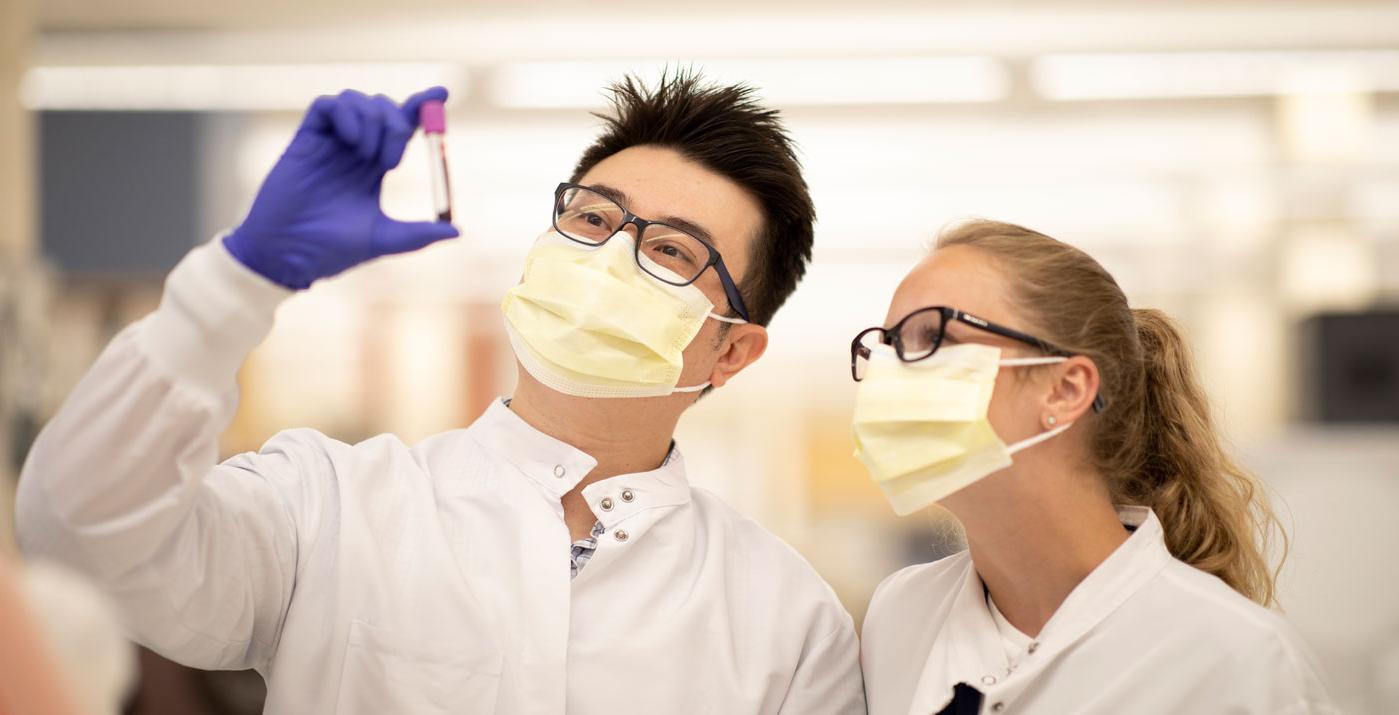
<point x="782" y="82"/>
<point x="1328" y="268"/>
<point x="1167" y="75"/>
<point x="260" y="87"/>
<point x="1327" y="126"/>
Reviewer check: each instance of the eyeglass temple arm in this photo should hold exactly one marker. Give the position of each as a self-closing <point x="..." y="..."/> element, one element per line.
<point x="858" y="351"/>
<point x="1005" y="332"/>
<point x="730" y="289"/>
<point x="1099" y="404"/>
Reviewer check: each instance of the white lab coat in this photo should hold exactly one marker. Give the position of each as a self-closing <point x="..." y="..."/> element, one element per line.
<point x="383" y="578"/>
<point x="1143" y="633"/>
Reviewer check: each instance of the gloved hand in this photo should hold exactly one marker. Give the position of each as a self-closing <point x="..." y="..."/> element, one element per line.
<point x="317" y="212"/>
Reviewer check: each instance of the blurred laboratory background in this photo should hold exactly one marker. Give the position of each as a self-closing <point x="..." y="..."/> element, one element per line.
<point x="1233" y="162"/>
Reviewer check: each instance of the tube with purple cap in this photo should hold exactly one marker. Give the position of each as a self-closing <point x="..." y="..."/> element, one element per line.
<point x="434" y="122"/>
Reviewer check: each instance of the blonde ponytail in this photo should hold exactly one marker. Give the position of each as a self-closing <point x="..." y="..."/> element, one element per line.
<point x="1213" y="512"/>
<point x="1156" y="443"/>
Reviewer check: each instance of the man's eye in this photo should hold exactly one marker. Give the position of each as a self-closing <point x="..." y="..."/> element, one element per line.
<point x="672" y="253"/>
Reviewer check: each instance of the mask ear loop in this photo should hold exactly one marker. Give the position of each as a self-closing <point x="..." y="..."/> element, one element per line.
<point x="1032" y="441"/>
<point x="727" y="319"/>
<point x="1099" y="404"/>
<point x="1029" y="361"/>
<point x="1050" y="434"/>
<point x="721" y="318"/>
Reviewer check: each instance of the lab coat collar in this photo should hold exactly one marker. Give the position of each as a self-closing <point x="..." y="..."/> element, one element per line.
<point x="969" y="652"/>
<point x="617" y="499"/>
<point x="553" y="465"/>
<point x="1121" y="574"/>
<point x="557" y="467"/>
<point x="972" y="651"/>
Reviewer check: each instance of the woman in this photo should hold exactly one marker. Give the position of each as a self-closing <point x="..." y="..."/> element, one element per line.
<point x="1116" y="561"/>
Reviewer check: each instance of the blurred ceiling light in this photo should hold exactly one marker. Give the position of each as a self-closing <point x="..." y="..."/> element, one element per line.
<point x="254" y="87"/>
<point x="1166" y="75"/>
<point x="1241" y="352"/>
<point x="782" y="82"/>
<point x="1327" y="116"/>
<point x="1328" y="267"/>
<point x="1234" y="208"/>
<point x="1375" y="202"/>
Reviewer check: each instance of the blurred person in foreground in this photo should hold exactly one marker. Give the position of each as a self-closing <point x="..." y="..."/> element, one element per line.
<point x="30" y="680"/>
<point x="1117" y="562"/>
<point x="552" y="557"/>
<point x="61" y="650"/>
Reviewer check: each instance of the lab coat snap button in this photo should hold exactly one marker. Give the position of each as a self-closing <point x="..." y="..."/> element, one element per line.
<point x="559" y="471"/>
<point x="998" y="707"/>
<point x="628" y="495"/>
<point x="1034" y="646"/>
<point x="988" y="679"/>
<point x="606" y="504"/>
<point x="621" y="535"/>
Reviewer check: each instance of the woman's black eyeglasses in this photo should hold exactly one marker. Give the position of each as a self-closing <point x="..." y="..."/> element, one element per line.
<point x="920" y="333"/>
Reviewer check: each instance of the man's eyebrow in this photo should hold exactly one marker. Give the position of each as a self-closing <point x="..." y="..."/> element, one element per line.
<point x="679" y="222"/>
<point x="689" y="227"/>
<point x="615" y="194"/>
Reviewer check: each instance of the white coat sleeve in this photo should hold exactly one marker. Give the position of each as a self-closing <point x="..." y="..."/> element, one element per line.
<point x="828" y="680"/>
<point x="123" y="485"/>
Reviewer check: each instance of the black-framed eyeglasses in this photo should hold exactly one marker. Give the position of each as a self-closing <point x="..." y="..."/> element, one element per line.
<point x="669" y="254"/>
<point x="919" y="334"/>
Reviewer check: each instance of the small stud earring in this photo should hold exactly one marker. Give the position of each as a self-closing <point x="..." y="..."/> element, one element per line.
<point x="1050" y="420"/>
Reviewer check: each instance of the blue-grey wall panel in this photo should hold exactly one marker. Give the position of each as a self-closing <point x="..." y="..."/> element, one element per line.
<point x="119" y="190"/>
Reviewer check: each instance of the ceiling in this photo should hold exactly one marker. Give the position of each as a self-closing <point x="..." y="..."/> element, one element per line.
<point x="477" y="33"/>
<point x="207" y="15"/>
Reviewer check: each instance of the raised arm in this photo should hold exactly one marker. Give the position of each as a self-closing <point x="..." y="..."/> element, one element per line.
<point x="123" y="483"/>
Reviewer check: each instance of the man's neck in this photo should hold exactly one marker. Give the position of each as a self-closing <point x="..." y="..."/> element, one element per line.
<point x="1032" y="547"/>
<point x="625" y="436"/>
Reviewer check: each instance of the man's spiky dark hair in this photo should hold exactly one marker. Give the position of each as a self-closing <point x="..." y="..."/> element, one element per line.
<point x="725" y="130"/>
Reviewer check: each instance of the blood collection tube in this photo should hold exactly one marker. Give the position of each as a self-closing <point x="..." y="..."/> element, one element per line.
<point x="434" y="123"/>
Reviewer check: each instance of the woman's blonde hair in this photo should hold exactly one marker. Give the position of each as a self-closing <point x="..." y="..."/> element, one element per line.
<point x="1156" y="442"/>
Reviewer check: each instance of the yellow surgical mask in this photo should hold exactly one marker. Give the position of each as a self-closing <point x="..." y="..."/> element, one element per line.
<point x="921" y="428"/>
<point x="586" y="321"/>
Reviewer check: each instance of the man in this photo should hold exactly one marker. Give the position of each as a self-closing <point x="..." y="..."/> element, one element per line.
<point x="551" y="557"/>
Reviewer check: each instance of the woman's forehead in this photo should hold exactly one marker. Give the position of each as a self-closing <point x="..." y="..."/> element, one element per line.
<point x="957" y="276"/>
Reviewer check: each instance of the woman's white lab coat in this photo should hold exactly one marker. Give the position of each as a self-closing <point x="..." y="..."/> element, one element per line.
<point x="1143" y="633"/>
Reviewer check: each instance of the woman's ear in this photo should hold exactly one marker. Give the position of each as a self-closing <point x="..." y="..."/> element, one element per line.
<point x="745" y="344"/>
<point x="1073" y="390"/>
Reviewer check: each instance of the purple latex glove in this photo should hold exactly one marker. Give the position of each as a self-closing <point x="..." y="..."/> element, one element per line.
<point x="317" y="212"/>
